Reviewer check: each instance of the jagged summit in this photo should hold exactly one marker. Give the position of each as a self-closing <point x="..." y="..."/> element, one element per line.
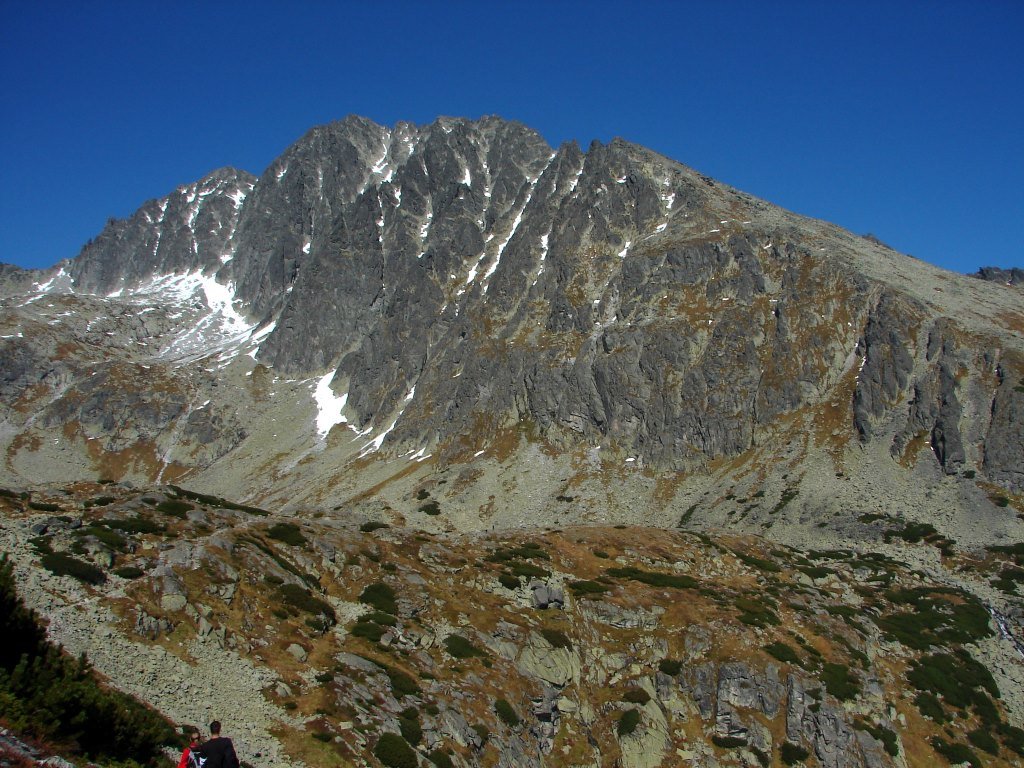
<point x="461" y="290"/>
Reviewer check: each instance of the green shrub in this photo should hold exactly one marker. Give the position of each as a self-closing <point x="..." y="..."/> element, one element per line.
<point x="756" y="613"/>
<point x="372" y="525"/>
<point x="61" y="564"/>
<point x="783" y="652"/>
<point x="760" y="563"/>
<point x="422" y="494"/>
<point x="935" y="619"/>
<point x="636" y="696"/>
<point x="929" y="705"/>
<point x="410" y="729"/>
<point x="838" y="681"/>
<point x="482" y="731"/>
<point x="174" y="508"/>
<point x="394" y="752"/>
<point x="670" y="667"/>
<point x="912" y="533"/>
<point x="728" y="742"/>
<point x="1013" y="737"/>
<point x="628" y="722"/>
<point x="112" y="539"/>
<point x="556" y="638"/>
<point x="675" y="581"/>
<point x="956" y="753"/>
<point x="529" y="571"/>
<point x="129" y="572"/>
<point x="955" y="678"/>
<point x="297" y="597"/>
<point x="585" y="588"/>
<point x="380" y="596"/>
<point x="526" y="551"/>
<point x="322" y="736"/>
<point x="44" y="506"/>
<point x="983" y="739"/>
<point x="432" y="508"/>
<point x="601" y="553"/>
<point x="508" y="581"/>
<point x="273" y="579"/>
<point x="379" y="617"/>
<point x="440" y="759"/>
<point x="47" y="695"/>
<point x="459" y="647"/>
<point x="1008" y="549"/>
<point x="368" y="630"/>
<point x="787" y="496"/>
<point x="792" y="753"/>
<point x="134" y="525"/>
<point x="401" y="683"/>
<point x="507" y="713"/>
<point x="287" y="533"/>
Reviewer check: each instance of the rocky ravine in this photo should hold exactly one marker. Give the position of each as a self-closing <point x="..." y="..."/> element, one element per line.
<point x="587" y="646"/>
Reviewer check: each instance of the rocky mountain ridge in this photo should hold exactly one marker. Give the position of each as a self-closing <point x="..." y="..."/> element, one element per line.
<point x="461" y="301"/>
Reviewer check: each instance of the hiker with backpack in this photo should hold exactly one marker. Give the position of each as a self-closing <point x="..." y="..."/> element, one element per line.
<point x="217" y="752"/>
<point x="187" y="760"/>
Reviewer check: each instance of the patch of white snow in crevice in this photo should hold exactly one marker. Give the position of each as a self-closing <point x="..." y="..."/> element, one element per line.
<point x="625" y="249"/>
<point x="467" y="179"/>
<point x="218" y="329"/>
<point x="60" y="280"/>
<point x="375" y="444"/>
<point x="544" y="240"/>
<point x="329" y="406"/>
<point x="418" y="455"/>
<point x="257" y="338"/>
<point x="515" y="225"/>
<point x="238" y="197"/>
<point x="576" y="181"/>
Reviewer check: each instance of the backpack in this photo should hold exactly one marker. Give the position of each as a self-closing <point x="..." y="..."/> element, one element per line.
<point x="196" y="759"/>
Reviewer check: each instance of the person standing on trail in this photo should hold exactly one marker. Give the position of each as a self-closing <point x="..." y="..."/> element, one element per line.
<point x="219" y="751"/>
<point x="193" y="744"/>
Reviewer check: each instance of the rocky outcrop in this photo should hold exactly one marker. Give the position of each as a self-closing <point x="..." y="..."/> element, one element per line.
<point x="1011" y="276"/>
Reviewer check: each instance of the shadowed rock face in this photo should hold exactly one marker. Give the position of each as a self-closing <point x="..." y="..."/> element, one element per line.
<point x="463" y="277"/>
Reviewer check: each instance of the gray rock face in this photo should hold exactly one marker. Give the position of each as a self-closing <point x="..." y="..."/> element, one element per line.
<point x="1011" y="276"/>
<point x="189" y="230"/>
<point x="888" y="361"/>
<point x="463" y="277"/>
<point x="1004" y="446"/>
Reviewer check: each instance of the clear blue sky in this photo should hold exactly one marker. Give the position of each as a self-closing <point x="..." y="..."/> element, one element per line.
<point x="904" y="119"/>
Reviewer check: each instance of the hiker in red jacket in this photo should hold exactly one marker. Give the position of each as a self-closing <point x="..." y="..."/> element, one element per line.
<point x="218" y="751"/>
<point x="193" y="743"/>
